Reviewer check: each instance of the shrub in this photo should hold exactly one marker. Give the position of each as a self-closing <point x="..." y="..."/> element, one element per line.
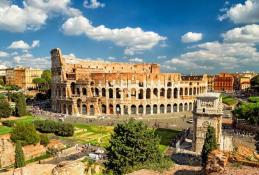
<point x="8" y="123"/>
<point x="5" y="110"/>
<point x="44" y="139"/>
<point x="19" y="156"/>
<point x="25" y="133"/>
<point x="20" y="108"/>
<point x="58" y="128"/>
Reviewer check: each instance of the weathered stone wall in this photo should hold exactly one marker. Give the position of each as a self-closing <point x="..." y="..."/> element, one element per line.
<point x="98" y="87"/>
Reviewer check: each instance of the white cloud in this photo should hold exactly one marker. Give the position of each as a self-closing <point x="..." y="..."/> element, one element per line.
<point x="23" y="45"/>
<point x="248" y="33"/>
<point x="162" y="57"/>
<point x="134" y="39"/>
<point x="243" y="13"/>
<point x="214" y="56"/>
<point x="191" y="37"/>
<point x="17" y="59"/>
<point x="4" y="54"/>
<point x="93" y="4"/>
<point x="137" y="60"/>
<point x="33" y="13"/>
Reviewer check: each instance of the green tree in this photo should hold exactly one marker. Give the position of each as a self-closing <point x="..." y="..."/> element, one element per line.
<point x="20" y="107"/>
<point x="5" y="110"/>
<point x="25" y="133"/>
<point x="255" y="82"/>
<point x="134" y="146"/>
<point x="40" y="82"/>
<point x="19" y="156"/>
<point x="46" y="75"/>
<point x="210" y="144"/>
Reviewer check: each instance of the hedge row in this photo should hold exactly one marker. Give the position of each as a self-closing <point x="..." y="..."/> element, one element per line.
<point x="58" y="128"/>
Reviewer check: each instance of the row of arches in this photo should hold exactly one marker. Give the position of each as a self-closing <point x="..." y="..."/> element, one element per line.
<point x="143" y="93"/>
<point x="135" y="109"/>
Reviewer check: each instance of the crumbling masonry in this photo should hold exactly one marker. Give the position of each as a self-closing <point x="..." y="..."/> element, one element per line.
<point x="99" y="87"/>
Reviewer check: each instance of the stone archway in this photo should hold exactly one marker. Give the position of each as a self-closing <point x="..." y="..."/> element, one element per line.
<point x="140" y="109"/>
<point x="168" y="108"/>
<point x="162" y="109"/>
<point x="154" y="109"/>
<point x="148" y="109"/>
<point x="133" y="109"/>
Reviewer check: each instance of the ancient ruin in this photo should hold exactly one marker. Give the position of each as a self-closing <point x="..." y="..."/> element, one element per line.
<point x="100" y="87"/>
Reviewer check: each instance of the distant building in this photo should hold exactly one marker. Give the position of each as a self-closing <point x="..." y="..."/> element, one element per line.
<point x="224" y="82"/>
<point x="211" y="83"/>
<point x="3" y="75"/>
<point x="22" y="77"/>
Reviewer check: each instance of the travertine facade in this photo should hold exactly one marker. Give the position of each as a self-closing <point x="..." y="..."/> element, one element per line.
<point x="208" y="111"/>
<point x="99" y="87"/>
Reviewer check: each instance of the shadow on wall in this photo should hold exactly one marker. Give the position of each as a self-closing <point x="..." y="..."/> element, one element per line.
<point x="187" y="172"/>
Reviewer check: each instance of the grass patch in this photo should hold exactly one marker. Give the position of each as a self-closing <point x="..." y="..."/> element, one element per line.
<point x="229" y="100"/>
<point x="5" y="130"/>
<point x="166" y="136"/>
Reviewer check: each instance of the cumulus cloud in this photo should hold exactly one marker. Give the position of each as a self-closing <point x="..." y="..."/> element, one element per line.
<point x="23" y="45"/>
<point x="248" y="33"/>
<point x="243" y="13"/>
<point x="93" y="4"/>
<point x="214" y="56"/>
<point x="4" y="54"/>
<point x="32" y="14"/>
<point x="191" y="37"/>
<point x="136" y="60"/>
<point x="133" y="39"/>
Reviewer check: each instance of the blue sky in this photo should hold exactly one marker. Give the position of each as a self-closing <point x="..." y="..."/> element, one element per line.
<point x="187" y="36"/>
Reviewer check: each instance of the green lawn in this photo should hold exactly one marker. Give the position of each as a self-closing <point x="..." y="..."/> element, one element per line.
<point x="26" y="119"/>
<point x="166" y="136"/>
<point x="229" y="100"/>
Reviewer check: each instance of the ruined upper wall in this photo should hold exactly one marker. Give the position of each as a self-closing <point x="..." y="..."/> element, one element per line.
<point x="80" y="66"/>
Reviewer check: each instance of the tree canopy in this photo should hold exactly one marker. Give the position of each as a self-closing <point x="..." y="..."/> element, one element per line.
<point x="134" y="146"/>
<point x="210" y="144"/>
<point x="19" y="156"/>
<point x="46" y="75"/>
<point x="5" y="110"/>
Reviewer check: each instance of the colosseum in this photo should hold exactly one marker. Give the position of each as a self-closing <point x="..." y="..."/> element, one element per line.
<point x="85" y="87"/>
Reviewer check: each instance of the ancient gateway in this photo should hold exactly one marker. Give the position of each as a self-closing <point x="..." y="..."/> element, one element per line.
<point x="84" y="87"/>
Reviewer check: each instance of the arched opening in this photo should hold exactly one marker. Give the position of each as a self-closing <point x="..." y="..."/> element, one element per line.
<point x="84" y="91"/>
<point x="96" y="92"/>
<point x="148" y="93"/>
<point x="79" y="103"/>
<point x="169" y="84"/>
<point x="84" y="109"/>
<point x="181" y="91"/>
<point x="118" y="95"/>
<point x="72" y="87"/>
<point x="64" y="92"/>
<point x="185" y="91"/>
<point x="194" y="91"/>
<point x="162" y="93"/>
<point x="155" y="92"/>
<point x="118" y="109"/>
<point x="190" y="91"/>
<point x="91" y="109"/>
<point x="175" y="107"/>
<point x="175" y="93"/>
<point x="140" y="109"/>
<point x="162" y="108"/>
<point x="168" y="108"/>
<point x="198" y="90"/>
<point x="148" y="109"/>
<point x="110" y="109"/>
<point x="155" y="109"/>
<point x="70" y="109"/>
<point x="169" y="93"/>
<point x="180" y="107"/>
<point x="133" y="93"/>
<point x="110" y="93"/>
<point x="103" y="109"/>
<point x="133" y="109"/>
<point x="64" y="109"/>
<point x="185" y="106"/>
<point x="141" y="94"/>
<point x="126" y="110"/>
<point x="78" y="91"/>
<point x="103" y="92"/>
<point x="190" y="106"/>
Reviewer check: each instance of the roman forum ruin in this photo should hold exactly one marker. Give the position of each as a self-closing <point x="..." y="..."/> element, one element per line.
<point x="83" y="87"/>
